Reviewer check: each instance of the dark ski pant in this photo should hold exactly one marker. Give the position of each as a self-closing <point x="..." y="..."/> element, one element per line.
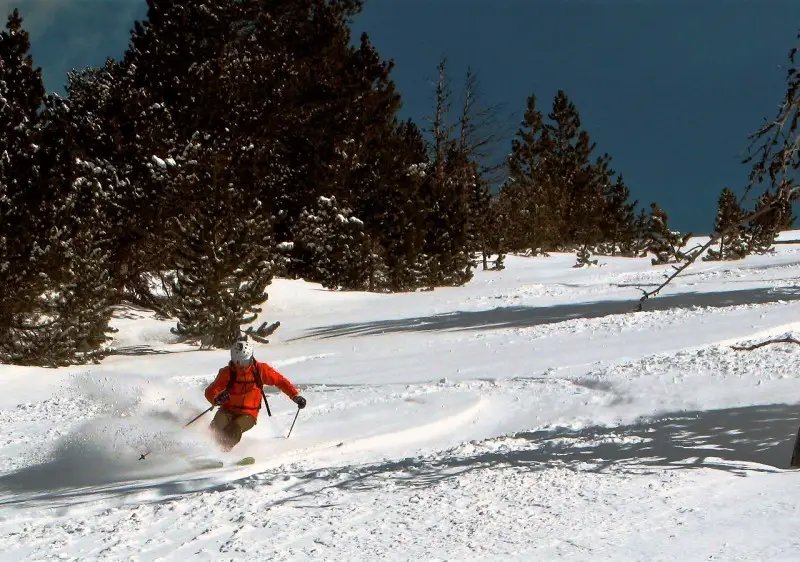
<point x="229" y="426"/>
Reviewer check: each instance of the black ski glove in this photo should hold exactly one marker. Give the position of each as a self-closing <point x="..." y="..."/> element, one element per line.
<point x="222" y="397"/>
<point x="300" y="401"/>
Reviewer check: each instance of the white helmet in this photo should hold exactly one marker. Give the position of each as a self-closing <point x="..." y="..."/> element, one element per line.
<point x="242" y="351"/>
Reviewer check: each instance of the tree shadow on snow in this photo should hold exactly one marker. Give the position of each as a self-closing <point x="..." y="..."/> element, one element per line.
<point x="526" y="316"/>
<point x="736" y="440"/>
<point x="137" y="350"/>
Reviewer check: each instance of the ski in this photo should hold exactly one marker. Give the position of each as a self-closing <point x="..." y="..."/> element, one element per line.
<point x="212" y="464"/>
<point x="207" y="465"/>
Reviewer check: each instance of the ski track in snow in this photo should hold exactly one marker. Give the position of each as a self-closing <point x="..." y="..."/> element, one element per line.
<point x="626" y="437"/>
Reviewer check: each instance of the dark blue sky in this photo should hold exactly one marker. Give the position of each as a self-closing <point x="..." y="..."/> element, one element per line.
<point x="670" y="88"/>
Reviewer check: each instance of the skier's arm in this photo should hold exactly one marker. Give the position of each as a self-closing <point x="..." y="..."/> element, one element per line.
<point x="219" y="384"/>
<point x="272" y="377"/>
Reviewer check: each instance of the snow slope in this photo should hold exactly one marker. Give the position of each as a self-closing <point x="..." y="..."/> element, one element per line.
<point x="528" y="416"/>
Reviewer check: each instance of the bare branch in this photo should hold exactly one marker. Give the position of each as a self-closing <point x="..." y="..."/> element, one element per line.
<point x="440" y="130"/>
<point x="787" y="193"/>
<point x="480" y="130"/>
<point x="779" y="151"/>
<point x="262" y="332"/>
<point x="763" y="343"/>
<point x="775" y="152"/>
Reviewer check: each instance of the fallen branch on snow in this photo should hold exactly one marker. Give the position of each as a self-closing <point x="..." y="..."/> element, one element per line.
<point x="788" y="339"/>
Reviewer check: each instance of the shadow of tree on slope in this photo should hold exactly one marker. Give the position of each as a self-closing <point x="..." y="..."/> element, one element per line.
<point x="735" y="440"/>
<point x="136" y="350"/>
<point x="526" y="316"/>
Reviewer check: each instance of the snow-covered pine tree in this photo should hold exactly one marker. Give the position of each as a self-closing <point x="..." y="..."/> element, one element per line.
<point x="68" y="319"/>
<point x="80" y="302"/>
<point x="396" y="210"/>
<point x="102" y="102"/>
<point x="664" y="243"/>
<point x="445" y="192"/>
<point x="732" y="246"/>
<point x="584" y="257"/>
<point x="225" y="261"/>
<point x="447" y="260"/>
<point x="333" y="246"/>
<point x="312" y="101"/>
<point x="24" y="250"/>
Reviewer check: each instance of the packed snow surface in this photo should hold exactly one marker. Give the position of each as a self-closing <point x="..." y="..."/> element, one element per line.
<point x="529" y="415"/>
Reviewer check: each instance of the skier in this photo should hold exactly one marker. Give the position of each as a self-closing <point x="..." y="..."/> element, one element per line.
<point x="237" y="391"/>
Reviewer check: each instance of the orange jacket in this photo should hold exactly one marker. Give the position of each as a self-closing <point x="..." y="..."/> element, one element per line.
<point x="245" y="393"/>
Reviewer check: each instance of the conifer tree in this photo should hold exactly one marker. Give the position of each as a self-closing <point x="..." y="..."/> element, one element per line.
<point x="775" y="159"/>
<point x="57" y="284"/>
<point x="333" y="243"/>
<point x="558" y="196"/>
<point x="79" y="302"/>
<point x="584" y="256"/>
<point x="494" y="235"/>
<point x="664" y="243"/>
<point x="481" y="233"/>
<point x="773" y="152"/>
<point x="525" y="196"/>
<point x="225" y="262"/>
<point x="760" y="233"/>
<point x="65" y="316"/>
<point x="24" y="244"/>
<point x="446" y="193"/>
<point x="477" y="137"/>
<point x="555" y="196"/>
<point x="307" y="83"/>
<point x="102" y="101"/>
<point x="618" y="223"/>
<point x="587" y="203"/>
<point x="573" y="191"/>
<point x="21" y="97"/>
<point x="640" y="230"/>
<point x="395" y="212"/>
<point x="732" y="245"/>
<point x="315" y="108"/>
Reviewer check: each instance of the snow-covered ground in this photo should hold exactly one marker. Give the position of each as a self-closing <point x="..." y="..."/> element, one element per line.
<point x="526" y="416"/>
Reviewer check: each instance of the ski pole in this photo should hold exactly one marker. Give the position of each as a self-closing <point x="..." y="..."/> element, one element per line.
<point x="295" y="419"/>
<point x="194" y="419"/>
<point x="264" y="395"/>
<point x="200" y="415"/>
<point x="260" y="384"/>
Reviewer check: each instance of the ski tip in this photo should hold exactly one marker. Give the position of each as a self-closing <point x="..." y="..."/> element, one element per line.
<point x="211" y="464"/>
<point x="208" y="465"/>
